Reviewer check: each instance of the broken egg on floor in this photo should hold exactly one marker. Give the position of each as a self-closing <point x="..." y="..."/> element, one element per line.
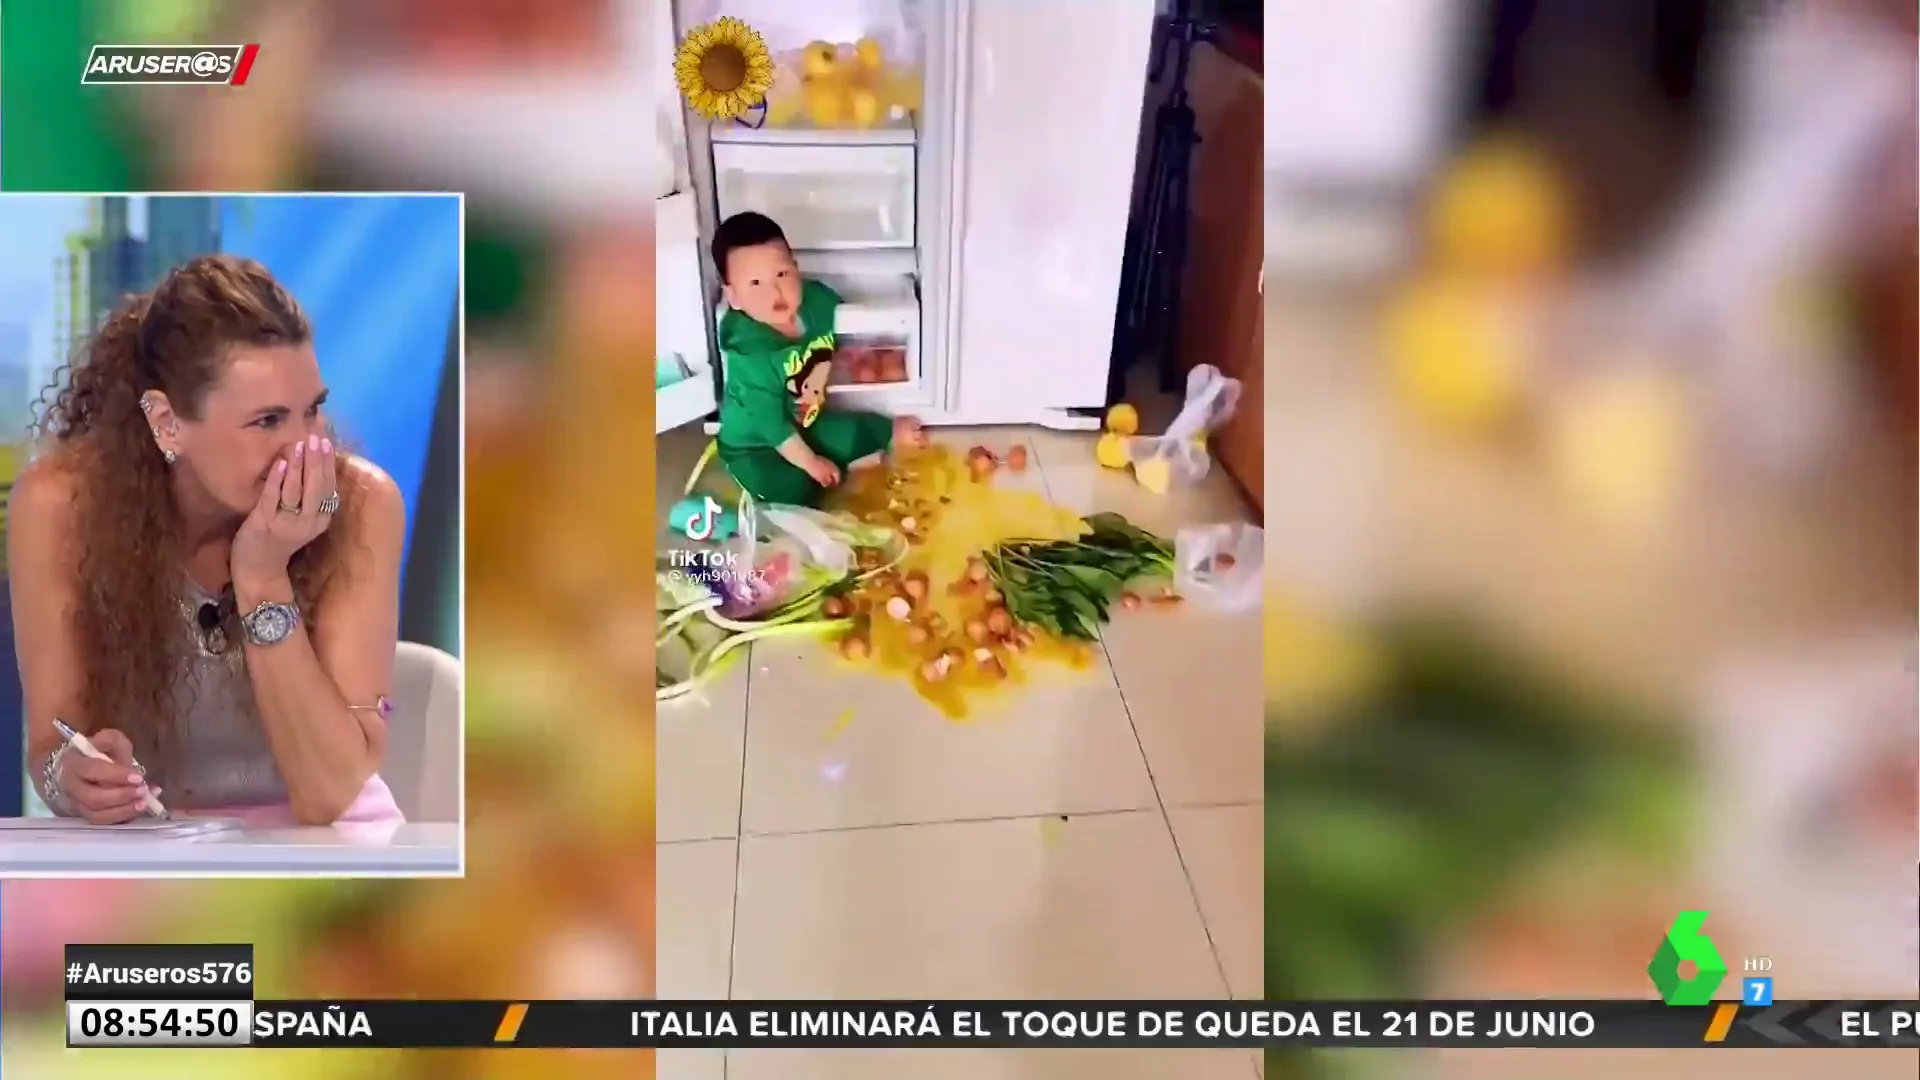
<point x="956" y="524"/>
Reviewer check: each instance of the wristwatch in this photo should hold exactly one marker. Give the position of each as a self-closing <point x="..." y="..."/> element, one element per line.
<point x="270" y="623"/>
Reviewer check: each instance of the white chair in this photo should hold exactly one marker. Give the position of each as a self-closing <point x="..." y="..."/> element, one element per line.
<point x="423" y="735"/>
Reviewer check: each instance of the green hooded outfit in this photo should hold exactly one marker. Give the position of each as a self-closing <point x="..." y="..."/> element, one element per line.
<point x="776" y="387"/>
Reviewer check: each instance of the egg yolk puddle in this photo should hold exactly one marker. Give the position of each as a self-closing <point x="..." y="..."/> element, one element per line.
<point x="950" y="518"/>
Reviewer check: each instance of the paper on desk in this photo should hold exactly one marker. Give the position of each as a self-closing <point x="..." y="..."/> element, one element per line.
<point x="144" y="828"/>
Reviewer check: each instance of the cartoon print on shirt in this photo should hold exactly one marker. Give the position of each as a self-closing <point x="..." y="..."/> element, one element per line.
<point x="807" y="383"/>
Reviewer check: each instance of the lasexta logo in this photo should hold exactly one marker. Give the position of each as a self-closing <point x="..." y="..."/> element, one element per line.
<point x="1684" y="943"/>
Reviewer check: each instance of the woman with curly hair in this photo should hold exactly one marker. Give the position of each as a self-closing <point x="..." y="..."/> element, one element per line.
<point x="204" y="584"/>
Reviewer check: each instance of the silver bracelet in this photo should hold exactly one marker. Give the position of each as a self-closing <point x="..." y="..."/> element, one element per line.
<point x="52" y="791"/>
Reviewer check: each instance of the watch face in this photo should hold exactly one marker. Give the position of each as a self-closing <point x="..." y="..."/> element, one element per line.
<point x="270" y="624"/>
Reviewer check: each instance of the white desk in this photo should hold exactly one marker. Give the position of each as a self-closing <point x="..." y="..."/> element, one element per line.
<point x="412" y="850"/>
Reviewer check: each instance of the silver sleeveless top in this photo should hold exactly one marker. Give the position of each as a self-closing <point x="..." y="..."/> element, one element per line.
<point x="219" y="754"/>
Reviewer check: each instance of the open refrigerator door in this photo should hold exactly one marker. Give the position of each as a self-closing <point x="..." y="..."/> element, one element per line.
<point x="834" y="154"/>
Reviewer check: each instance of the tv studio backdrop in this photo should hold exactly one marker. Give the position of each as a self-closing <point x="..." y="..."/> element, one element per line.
<point x="379" y="277"/>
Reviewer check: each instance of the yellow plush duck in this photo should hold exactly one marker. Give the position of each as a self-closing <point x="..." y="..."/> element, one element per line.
<point x="828" y="85"/>
<point x="1111" y="451"/>
<point x="1180" y="451"/>
<point x="1458" y="336"/>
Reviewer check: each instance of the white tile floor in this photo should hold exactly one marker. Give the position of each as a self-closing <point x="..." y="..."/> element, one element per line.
<point x="1099" y="835"/>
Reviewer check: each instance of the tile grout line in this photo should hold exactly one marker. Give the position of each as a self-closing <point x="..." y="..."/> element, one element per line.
<point x="739" y="841"/>
<point x="1166" y="819"/>
<point x="991" y="819"/>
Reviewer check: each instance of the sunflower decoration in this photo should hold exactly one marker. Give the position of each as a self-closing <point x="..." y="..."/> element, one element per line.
<point x="723" y="69"/>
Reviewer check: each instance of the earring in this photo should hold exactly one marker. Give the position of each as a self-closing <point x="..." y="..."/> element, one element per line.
<point x="168" y="456"/>
<point x="146" y="405"/>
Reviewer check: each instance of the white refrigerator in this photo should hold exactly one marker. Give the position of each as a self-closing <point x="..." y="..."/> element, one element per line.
<point x="983" y="236"/>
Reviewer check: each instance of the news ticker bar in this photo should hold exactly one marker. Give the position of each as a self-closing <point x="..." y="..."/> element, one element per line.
<point x="990" y="1024"/>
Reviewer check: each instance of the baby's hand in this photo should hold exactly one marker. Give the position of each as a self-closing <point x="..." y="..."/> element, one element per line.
<point x="824" y="472"/>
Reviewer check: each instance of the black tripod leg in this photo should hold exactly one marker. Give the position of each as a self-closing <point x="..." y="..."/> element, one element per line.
<point x="1180" y="222"/>
<point x="1170" y="246"/>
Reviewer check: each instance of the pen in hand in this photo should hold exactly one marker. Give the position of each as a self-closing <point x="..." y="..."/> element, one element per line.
<point x="80" y="742"/>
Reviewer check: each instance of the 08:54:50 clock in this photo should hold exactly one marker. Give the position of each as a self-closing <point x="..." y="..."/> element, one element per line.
<point x="159" y="1023"/>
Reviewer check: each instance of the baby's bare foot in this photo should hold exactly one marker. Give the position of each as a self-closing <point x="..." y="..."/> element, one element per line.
<point x="909" y="432"/>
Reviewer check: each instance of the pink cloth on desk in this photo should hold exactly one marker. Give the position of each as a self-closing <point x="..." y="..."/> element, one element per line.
<point x="373" y="806"/>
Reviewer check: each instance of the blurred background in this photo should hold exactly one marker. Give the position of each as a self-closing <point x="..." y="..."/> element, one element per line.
<point x="1590" y="348"/>
<point x="378" y="276"/>
<point x="530" y="107"/>
<point x="1590" y="445"/>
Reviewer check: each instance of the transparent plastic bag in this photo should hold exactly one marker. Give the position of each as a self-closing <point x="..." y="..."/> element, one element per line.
<point x="1220" y="566"/>
<point x="1179" y="455"/>
<point x="780" y="554"/>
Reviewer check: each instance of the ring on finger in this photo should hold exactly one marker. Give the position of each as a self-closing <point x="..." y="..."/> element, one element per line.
<point x="285" y="509"/>
<point x="329" y="503"/>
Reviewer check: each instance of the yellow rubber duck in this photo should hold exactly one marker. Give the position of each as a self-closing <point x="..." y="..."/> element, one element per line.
<point x="1501" y="210"/>
<point x="825" y="101"/>
<point x="821" y="60"/>
<point x="1313" y="663"/>
<point x="785" y="99"/>
<point x="1618" y="442"/>
<point x="1111" y="451"/>
<point x="1456" y="351"/>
